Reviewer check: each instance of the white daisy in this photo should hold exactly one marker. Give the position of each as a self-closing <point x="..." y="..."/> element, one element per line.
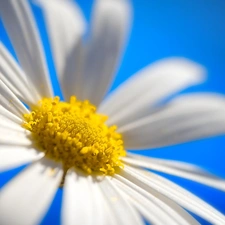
<point x="72" y="139"/>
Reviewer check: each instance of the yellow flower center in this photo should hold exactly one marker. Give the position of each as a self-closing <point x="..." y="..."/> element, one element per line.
<point x="74" y="134"/>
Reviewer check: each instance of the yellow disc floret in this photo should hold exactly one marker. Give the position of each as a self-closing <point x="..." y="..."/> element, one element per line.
<point x="74" y="134"/>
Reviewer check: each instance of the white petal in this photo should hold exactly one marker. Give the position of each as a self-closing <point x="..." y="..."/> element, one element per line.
<point x="13" y="137"/>
<point x="25" y="200"/>
<point x="19" y="22"/>
<point x="138" y="95"/>
<point x="149" y="211"/>
<point x="9" y="124"/>
<point x="11" y="131"/>
<point x="12" y="75"/>
<point x="108" y="33"/>
<point x="14" y="156"/>
<point x="101" y="212"/>
<point x="10" y="101"/>
<point x="183" y="197"/>
<point x="65" y="26"/>
<point x="123" y="211"/>
<point x="77" y="205"/>
<point x="186" y="118"/>
<point x="7" y="114"/>
<point x="176" y="168"/>
<point x="155" y="207"/>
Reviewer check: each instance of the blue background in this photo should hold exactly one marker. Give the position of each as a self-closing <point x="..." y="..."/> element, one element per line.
<point x="163" y="28"/>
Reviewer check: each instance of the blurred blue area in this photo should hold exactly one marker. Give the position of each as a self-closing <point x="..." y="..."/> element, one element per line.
<point x="192" y="29"/>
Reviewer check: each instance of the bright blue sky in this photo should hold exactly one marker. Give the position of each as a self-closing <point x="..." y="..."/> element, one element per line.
<point x="192" y="29"/>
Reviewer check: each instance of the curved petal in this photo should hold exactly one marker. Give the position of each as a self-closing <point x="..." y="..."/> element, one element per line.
<point x="138" y="95"/>
<point x="186" y="199"/>
<point x="176" y="168"/>
<point x="25" y="200"/>
<point x="9" y="101"/>
<point x="151" y="213"/>
<point x="123" y="211"/>
<point x="155" y="207"/>
<point x="19" y="22"/>
<point x="12" y="75"/>
<point x="110" y="24"/>
<point x="14" y="156"/>
<point x="4" y="113"/>
<point x="186" y="118"/>
<point x="66" y="26"/>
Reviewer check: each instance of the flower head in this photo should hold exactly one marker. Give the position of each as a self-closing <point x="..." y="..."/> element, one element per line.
<point x="81" y="142"/>
<point x="75" y="135"/>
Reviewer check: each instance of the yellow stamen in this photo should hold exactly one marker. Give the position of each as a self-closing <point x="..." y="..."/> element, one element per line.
<point x="74" y="134"/>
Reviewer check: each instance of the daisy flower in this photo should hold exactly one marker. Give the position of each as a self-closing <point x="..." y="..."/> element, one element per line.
<point x="81" y="142"/>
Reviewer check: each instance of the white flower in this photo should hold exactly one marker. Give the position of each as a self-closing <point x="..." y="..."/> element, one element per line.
<point x="136" y="107"/>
